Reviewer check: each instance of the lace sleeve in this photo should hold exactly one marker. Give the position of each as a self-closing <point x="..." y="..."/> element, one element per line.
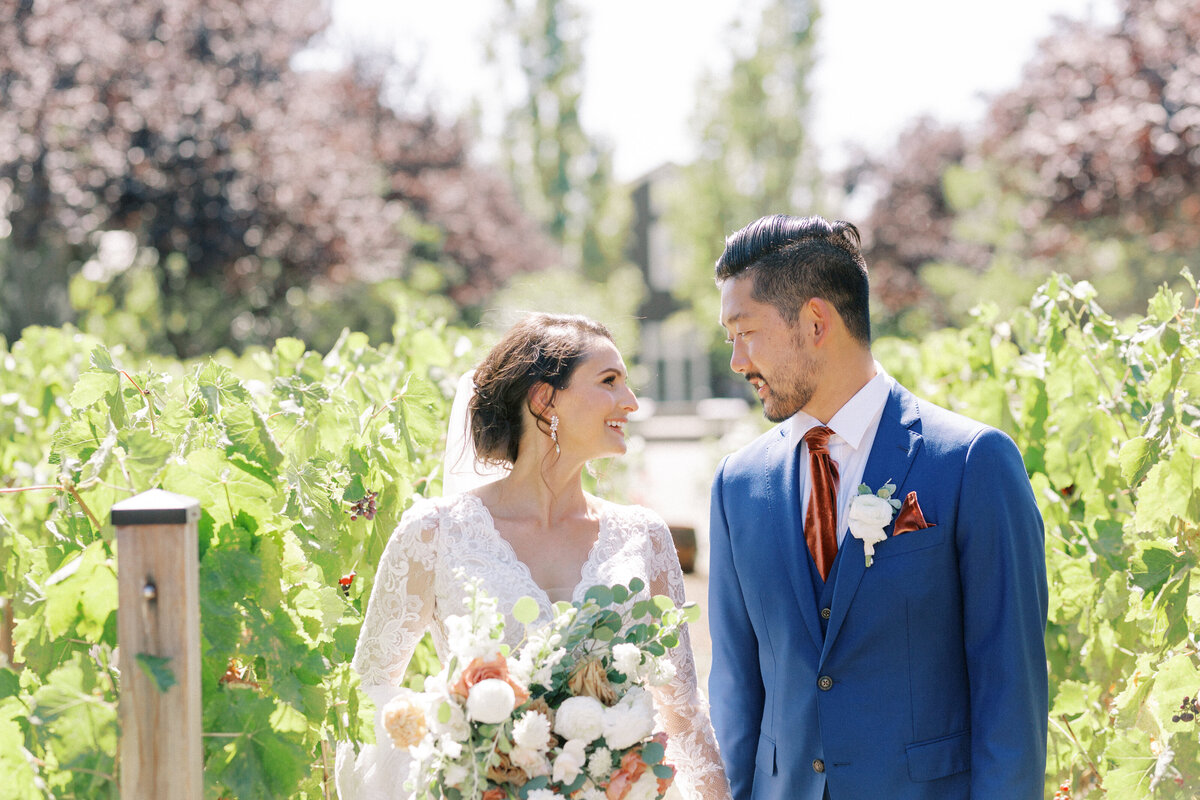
<point x="682" y="709"/>
<point x="402" y="601"/>
<point x="398" y="614"/>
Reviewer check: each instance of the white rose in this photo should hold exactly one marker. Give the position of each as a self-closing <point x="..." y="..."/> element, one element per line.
<point x="490" y="700"/>
<point x="570" y="761"/>
<point x="869" y="515"/>
<point x="580" y="718"/>
<point x="627" y="658"/>
<point x="630" y="720"/>
<point x="532" y="731"/>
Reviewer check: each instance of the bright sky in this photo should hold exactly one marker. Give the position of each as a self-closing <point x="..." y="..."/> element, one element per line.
<point x="881" y="63"/>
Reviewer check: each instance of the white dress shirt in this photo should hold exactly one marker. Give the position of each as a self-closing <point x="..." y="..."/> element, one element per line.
<point x="854" y="426"/>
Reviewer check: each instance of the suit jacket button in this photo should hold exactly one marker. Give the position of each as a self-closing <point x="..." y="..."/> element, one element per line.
<point x="818" y="765"/>
<point x="826" y="613"/>
<point x="824" y="683"/>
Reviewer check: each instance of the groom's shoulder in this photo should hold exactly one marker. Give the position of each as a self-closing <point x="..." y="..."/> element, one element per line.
<point x="750" y="455"/>
<point x="945" y="429"/>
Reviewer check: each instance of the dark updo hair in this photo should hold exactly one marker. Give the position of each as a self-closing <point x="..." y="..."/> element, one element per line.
<point x="542" y="348"/>
<point x="794" y="259"/>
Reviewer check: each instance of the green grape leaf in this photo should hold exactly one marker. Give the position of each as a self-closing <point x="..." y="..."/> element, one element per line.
<point x="92" y="386"/>
<point x="157" y="670"/>
<point x="1137" y="456"/>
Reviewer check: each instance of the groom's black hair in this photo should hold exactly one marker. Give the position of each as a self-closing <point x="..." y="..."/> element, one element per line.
<point x="794" y="259"/>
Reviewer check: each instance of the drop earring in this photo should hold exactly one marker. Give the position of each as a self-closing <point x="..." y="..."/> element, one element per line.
<point x="554" y="432"/>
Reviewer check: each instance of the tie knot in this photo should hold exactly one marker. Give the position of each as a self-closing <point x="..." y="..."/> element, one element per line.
<point x="817" y="439"/>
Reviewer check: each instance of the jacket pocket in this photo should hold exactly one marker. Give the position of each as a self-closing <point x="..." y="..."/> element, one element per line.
<point x="764" y="759"/>
<point x="908" y="542"/>
<point x="937" y="758"/>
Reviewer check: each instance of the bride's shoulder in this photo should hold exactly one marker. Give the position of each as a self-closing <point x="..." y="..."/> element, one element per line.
<point x="428" y="509"/>
<point x="633" y="514"/>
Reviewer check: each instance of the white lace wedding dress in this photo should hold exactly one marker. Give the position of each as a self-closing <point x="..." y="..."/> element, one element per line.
<point x="416" y="588"/>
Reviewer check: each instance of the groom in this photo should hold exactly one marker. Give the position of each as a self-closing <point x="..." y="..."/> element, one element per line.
<point x="918" y="673"/>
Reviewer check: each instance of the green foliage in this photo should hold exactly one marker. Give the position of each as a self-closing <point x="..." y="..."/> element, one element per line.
<point x="275" y="444"/>
<point x="1106" y="413"/>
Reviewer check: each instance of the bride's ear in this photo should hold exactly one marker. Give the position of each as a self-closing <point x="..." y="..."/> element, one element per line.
<point x="541" y="399"/>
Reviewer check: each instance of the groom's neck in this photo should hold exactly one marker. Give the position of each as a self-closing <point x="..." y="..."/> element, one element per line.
<point x="840" y="376"/>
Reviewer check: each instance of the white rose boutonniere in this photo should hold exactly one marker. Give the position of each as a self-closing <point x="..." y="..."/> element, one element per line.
<point x="870" y="513"/>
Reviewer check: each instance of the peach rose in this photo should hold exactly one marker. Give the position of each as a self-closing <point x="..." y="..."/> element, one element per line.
<point x="590" y="679"/>
<point x="480" y="670"/>
<point x="632" y="767"/>
<point x="494" y="794"/>
<point x="664" y="783"/>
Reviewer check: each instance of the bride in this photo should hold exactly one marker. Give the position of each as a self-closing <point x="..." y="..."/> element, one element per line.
<point x="549" y="397"/>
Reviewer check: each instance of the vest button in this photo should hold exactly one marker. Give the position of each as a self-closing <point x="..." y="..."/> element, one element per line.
<point x="824" y="683"/>
<point x="818" y="765"/>
<point x="826" y="613"/>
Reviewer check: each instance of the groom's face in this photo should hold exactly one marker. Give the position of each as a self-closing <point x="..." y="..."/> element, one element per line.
<point x="768" y="351"/>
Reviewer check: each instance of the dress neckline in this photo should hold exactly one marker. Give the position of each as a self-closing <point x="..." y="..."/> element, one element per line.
<point x="544" y="597"/>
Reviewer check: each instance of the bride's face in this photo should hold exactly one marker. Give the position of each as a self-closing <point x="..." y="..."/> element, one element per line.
<point x="595" y="406"/>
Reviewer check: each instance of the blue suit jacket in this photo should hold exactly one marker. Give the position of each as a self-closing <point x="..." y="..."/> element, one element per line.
<point x="936" y="653"/>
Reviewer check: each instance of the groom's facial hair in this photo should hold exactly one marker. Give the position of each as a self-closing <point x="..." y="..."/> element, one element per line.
<point x="792" y="386"/>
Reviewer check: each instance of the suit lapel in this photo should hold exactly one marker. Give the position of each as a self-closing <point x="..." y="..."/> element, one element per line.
<point x="780" y="467"/>
<point x="897" y="441"/>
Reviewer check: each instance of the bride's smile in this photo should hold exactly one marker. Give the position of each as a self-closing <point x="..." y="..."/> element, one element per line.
<point x="595" y="406"/>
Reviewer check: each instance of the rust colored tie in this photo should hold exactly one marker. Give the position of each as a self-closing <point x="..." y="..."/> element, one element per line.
<point x="820" y="522"/>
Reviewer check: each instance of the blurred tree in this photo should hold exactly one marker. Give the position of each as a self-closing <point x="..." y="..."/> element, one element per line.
<point x="185" y="123"/>
<point x="755" y="157"/>
<point x="564" y="175"/>
<point x="1109" y="122"/>
<point x="1090" y="166"/>
<point x="912" y="223"/>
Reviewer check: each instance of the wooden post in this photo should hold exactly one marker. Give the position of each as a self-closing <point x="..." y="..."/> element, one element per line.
<point x="6" y="633"/>
<point x="159" y="618"/>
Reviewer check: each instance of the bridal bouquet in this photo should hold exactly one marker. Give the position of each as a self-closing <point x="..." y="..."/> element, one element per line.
<point x="567" y="714"/>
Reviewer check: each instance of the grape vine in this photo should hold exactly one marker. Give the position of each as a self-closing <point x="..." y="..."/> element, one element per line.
<point x="1107" y="413"/>
<point x="282" y="447"/>
<point x="278" y="445"/>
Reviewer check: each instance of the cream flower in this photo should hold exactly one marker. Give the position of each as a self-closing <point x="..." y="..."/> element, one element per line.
<point x="570" y="761"/>
<point x="600" y="765"/>
<point x="627" y="658"/>
<point x="534" y="762"/>
<point x="663" y="672"/>
<point x="490" y="700"/>
<point x="580" y="718"/>
<point x="404" y="722"/>
<point x="532" y="731"/>
<point x="544" y="794"/>
<point x="630" y="720"/>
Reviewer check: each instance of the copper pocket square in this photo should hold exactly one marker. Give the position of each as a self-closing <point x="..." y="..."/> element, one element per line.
<point x="910" y="517"/>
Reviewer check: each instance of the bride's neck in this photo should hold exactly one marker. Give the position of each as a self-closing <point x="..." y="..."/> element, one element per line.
<point x="546" y="493"/>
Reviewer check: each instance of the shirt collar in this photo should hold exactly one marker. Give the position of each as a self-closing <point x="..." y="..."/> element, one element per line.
<point x="855" y="418"/>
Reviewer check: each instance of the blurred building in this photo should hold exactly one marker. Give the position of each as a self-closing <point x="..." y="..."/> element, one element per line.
<point x="673" y="351"/>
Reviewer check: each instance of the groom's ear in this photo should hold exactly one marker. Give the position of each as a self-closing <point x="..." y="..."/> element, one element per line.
<point x="817" y="319"/>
